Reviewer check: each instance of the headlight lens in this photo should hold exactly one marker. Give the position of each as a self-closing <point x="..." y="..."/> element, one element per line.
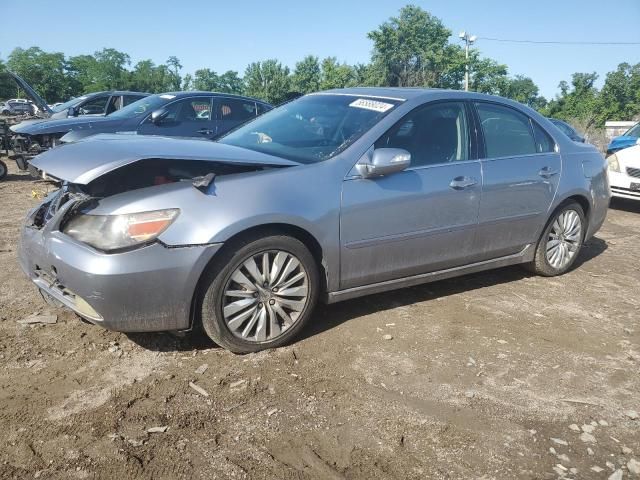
<point x="614" y="166"/>
<point x="113" y="232"/>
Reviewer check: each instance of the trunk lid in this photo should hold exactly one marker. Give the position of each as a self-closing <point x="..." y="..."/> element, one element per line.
<point x="85" y="161"/>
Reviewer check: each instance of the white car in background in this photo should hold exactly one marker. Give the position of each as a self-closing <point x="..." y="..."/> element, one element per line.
<point x="624" y="173"/>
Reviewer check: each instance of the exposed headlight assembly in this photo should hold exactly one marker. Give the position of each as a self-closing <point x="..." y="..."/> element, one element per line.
<point x="114" y="232"/>
<point x="614" y="166"/>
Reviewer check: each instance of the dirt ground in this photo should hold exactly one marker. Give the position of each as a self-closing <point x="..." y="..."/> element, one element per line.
<point x="495" y="375"/>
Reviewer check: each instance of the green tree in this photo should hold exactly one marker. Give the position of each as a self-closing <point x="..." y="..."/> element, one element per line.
<point x="175" y="66"/>
<point x="306" y="76"/>
<point x="230" y="82"/>
<point x="411" y="49"/>
<point x="335" y="75"/>
<point x="206" y="80"/>
<point x="149" y="77"/>
<point x="620" y="95"/>
<point x="577" y="101"/>
<point x="521" y="89"/>
<point x="268" y="80"/>
<point x="45" y="72"/>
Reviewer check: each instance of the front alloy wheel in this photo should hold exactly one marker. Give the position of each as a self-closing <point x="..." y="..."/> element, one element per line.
<point x="265" y="296"/>
<point x="259" y="293"/>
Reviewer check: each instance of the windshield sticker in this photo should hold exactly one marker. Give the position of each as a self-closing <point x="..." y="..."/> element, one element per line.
<point x="168" y="97"/>
<point x="374" y="105"/>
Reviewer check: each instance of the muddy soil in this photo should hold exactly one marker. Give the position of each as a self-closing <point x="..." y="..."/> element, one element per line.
<point x="495" y="375"/>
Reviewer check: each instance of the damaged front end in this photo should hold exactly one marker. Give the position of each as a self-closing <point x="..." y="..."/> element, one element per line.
<point x="25" y="147"/>
<point x="122" y="241"/>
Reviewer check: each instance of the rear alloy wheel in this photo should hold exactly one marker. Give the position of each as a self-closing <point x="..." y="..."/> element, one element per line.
<point x="561" y="241"/>
<point x="262" y="297"/>
<point x="3" y="170"/>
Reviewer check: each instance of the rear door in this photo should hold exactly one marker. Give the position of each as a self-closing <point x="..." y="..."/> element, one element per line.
<point x="232" y="112"/>
<point x="187" y="117"/>
<point x="521" y="170"/>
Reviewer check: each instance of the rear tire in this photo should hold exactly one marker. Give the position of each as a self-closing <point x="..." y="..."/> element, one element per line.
<point x="260" y="293"/>
<point x="560" y="242"/>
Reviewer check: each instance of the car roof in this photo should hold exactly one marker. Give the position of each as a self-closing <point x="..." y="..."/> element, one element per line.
<point x="202" y="93"/>
<point x="113" y="92"/>
<point x="410" y="93"/>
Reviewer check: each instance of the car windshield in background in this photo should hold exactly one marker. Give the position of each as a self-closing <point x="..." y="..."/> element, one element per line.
<point x="142" y="106"/>
<point x="312" y="128"/>
<point x="68" y="104"/>
<point x="633" y="131"/>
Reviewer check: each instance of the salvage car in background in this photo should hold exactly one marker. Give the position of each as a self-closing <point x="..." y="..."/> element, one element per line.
<point x="183" y="114"/>
<point x="624" y="173"/>
<point x="628" y="139"/>
<point x="568" y="130"/>
<point x="332" y="196"/>
<point x="14" y="107"/>
<point x="99" y="103"/>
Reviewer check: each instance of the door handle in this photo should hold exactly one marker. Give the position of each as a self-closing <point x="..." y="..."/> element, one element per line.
<point x="205" y="131"/>
<point x="460" y="183"/>
<point x="547" y="172"/>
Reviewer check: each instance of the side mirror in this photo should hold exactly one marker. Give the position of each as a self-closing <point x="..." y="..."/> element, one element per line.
<point x="73" y="112"/>
<point x="384" y="161"/>
<point x="158" y="115"/>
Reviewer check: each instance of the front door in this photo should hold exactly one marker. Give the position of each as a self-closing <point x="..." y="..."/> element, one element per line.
<point x="521" y="170"/>
<point x="419" y="220"/>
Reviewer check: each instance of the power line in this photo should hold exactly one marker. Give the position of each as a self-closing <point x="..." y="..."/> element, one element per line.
<point x="551" y="42"/>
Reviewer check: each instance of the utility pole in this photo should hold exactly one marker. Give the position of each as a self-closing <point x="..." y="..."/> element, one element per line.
<point x="468" y="40"/>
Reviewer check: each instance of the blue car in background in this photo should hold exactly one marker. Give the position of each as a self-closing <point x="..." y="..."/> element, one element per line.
<point x="627" y="139"/>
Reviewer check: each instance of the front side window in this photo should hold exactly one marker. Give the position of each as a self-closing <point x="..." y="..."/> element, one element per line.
<point x="507" y="132"/>
<point x="95" y="106"/>
<point x="235" y="109"/>
<point x="312" y="128"/>
<point x="432" y="134"/>
<point x="190" y="110"/>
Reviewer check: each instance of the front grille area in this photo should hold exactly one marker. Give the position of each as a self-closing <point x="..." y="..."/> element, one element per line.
<point x="633" y="172"/>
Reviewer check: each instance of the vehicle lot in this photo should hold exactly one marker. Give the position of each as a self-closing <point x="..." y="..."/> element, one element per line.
<point x="482" y="377"/>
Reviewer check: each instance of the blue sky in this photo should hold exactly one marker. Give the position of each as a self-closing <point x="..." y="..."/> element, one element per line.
<point x="230" y="34"/>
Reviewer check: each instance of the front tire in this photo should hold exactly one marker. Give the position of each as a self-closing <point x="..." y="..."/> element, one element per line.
<point x="260" y="293"/>
<point x="3" y="170"/>
<point x="561" y="241"/>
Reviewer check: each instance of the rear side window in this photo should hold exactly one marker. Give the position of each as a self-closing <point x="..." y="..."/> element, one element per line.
<point x="235" y="109"/>
<point x="507" y="132"/>
<point x="544" y="143"/>
<point x="130" y="99"/>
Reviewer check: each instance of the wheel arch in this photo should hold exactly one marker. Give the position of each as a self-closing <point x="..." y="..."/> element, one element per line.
<point x="295" y="231"/>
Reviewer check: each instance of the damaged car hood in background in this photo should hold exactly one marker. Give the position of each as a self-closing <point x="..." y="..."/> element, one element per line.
<point x="62" y="125"/>
<point x="31" y="93"/>
<point x="86" y="160"/>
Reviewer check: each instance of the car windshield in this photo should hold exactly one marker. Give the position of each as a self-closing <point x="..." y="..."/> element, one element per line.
<point x="633" y="131"/>
<point x="67" y="105"/>
<point x="312" y="128"/>
<point x="142" y="106"/>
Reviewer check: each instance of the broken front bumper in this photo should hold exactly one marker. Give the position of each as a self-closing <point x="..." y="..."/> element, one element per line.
<point x="142" y="290"/>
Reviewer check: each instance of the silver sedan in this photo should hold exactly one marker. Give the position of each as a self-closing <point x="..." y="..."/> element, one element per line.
<point x="333" y="196"/>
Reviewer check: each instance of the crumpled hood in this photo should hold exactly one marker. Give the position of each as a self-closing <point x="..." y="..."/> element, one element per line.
<point x="64" y="125"/>
<point x="84" y="161"/>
